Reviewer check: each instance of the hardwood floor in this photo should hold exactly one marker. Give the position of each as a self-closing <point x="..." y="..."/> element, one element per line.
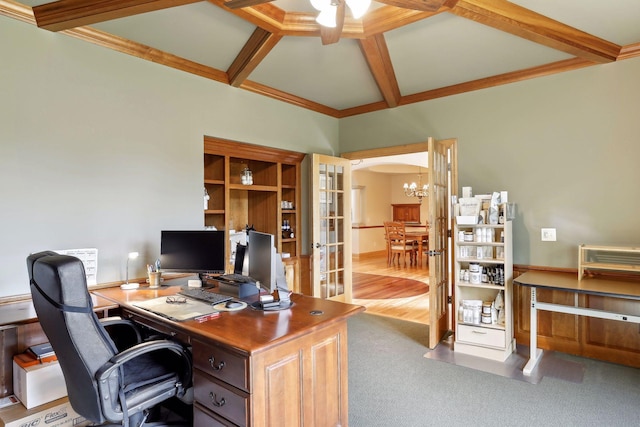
<point x="399" y="292"/>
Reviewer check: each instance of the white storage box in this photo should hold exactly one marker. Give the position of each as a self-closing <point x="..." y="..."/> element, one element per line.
<point x="58" y="413"/>
<point x="467" y="219"/>
<point x="38" y="384"/>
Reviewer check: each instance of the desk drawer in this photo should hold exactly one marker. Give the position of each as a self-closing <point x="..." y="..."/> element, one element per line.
<point x="162" y="327"/>
<point x="230" y="367"/>
<point x="220" y="398"/>
<point x="481" y="336"/>
<point x="205" y="418"/>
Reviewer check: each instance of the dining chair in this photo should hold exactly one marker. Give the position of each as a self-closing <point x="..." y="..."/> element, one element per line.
<point x="399" y="244"/>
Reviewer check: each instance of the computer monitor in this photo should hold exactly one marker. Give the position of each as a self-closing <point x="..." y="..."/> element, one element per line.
<point x="262" y="267"/>
<point x="193" y="251"/>
<point x="265" y="264"/>
<point x="240" y="265"/>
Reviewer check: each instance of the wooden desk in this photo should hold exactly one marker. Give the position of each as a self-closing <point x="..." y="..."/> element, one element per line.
<point x="255" y="368"/>
<point x="569" y="282"/>
<point x="419" y="236"/>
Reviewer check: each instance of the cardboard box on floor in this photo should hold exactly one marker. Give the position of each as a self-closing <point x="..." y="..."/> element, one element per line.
<point x="38" y="384"/>
<point x="58" y="413"/>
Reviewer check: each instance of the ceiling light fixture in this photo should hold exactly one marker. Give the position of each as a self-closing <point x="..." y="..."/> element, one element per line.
<point x="329" y="8"/>
<point x="358" y="7"/>
<point x="420" y="191"/>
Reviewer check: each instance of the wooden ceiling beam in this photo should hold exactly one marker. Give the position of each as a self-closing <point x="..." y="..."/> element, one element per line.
<point x="147" y="53"/>
<point x="303" y="24"/>
<point x="266" y="16"/>
<point x="65" y="14"/>
<point x="261" y="89"/>
<point x="424" y="5"/>
<point x="239" y="4"/>
<point x="389" y="18"/>
<point x="254" y="51"/>
<point x="629" y="51"/>
<point x="514" y="19"/>
<point x="12" y="9"/>
<point x="499" y="80"/>
<point x="376" y="53"/>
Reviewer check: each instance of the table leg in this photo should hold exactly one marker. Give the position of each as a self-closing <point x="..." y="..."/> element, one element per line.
<point x="534" y="353"/>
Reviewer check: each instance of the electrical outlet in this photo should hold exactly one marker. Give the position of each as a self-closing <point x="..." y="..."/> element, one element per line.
<point x="548" y="234"/>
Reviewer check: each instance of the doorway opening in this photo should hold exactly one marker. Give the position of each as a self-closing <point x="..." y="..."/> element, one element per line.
<point x="378" y="185"/>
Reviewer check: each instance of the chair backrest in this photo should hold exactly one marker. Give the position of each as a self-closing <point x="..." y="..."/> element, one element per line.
<point x="395" y="231"/>
<point x="65" y="311"/>
<point x="386" y="230"/>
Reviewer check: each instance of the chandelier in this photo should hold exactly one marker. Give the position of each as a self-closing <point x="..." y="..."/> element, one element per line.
<point x="329" y="8"/>
<point x="416" y="190"/>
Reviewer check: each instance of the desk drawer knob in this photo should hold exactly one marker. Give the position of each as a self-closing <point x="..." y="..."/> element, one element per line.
<point x="215" y="367"/>
<point x="215" y="401"/>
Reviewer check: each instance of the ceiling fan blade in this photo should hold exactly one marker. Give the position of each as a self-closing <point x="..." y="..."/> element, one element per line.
<point x="424" y="5"/>
<point x="332" y="35"/>
<point x="239" y="4"/>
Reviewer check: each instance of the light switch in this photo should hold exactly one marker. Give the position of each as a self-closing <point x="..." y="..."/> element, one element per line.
<point x="548" y="234"/>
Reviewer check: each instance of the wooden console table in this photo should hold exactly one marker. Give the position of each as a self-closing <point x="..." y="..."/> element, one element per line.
<point x="255" y="368"/>
<point x="569" y="282"/>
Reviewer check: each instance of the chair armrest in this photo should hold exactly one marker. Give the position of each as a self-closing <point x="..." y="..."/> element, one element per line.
<point x="112" y="385"/>
<point x="116" y="326"/>
<point x="115" y="320"/>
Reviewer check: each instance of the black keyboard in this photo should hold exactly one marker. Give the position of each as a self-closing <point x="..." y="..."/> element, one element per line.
<point x="235" y="278"/>
<point x="206" y="296"/>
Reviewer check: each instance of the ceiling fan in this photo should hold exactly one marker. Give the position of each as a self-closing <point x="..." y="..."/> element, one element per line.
<point x="331" y="16"/>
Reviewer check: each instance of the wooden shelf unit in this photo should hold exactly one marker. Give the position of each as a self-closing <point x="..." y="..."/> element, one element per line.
<point x="233" y="206"/>
<point x="609" y="258"/>
<point x="490" y="340"/>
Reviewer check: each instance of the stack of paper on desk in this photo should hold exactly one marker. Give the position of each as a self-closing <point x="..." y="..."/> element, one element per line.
<point x="188" y="310"/>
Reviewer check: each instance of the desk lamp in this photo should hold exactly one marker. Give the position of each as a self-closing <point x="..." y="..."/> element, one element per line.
<point x="127" y="285"/>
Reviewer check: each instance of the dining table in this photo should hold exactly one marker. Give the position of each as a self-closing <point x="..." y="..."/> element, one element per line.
<point x="420" y="236"/>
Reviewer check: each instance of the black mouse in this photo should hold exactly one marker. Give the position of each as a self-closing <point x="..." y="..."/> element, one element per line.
<point x="233" y="304"/>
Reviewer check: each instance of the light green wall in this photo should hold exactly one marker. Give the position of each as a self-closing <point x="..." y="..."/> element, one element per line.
<point x="566" y="147"/>
<point x="100" y="149"/>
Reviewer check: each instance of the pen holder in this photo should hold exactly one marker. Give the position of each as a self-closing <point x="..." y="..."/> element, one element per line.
<point x="154" y="279"/>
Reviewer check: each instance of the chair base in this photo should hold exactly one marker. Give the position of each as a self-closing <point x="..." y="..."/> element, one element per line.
<point x="172" y="412"/>
<point x="413" y="258"/>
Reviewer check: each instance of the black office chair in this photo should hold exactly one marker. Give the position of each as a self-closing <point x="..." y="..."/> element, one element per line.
<point x="106" y="385"/>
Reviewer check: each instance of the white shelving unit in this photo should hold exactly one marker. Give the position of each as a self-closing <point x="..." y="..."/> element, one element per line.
<point x="491" y="250"/>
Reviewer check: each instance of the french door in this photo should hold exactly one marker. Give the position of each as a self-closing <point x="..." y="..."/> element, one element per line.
<point x="331" y="227"/>
<point x="442" y="184"/>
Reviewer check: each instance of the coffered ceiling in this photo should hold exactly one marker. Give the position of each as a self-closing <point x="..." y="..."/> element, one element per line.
<point x="393" y="56"/>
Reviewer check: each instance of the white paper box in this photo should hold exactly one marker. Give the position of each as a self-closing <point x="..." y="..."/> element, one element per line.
<point x="467" y="219"/>
<point x="38" y="384"/>
<point x="58" y="413"/>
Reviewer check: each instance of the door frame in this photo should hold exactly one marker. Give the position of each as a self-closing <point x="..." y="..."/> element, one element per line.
<point x="338" y="273"/>
<point x="423" y="147"/>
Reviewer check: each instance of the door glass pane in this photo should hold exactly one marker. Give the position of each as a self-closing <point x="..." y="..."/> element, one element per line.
<point x="339" y="230"/>
<point x="339" y="178"/>
<point x="330" y="227"/>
